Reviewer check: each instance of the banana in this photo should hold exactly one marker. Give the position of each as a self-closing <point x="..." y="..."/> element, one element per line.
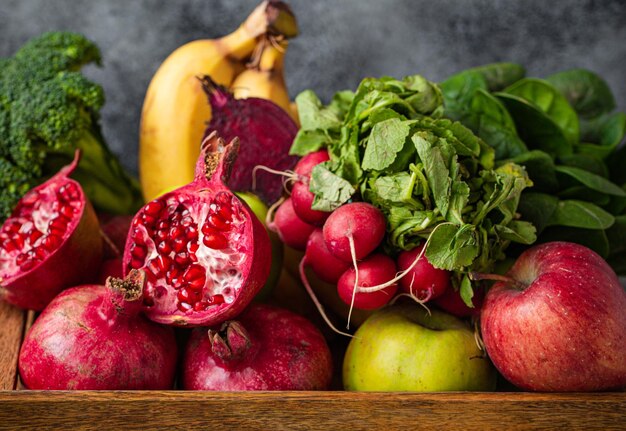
<point x="264" y="76"/>
<point x="176" y="110"/>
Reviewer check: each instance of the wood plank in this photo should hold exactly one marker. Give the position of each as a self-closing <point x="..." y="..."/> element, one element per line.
<point x="12" y="327"/>
<point x="30" y="318"/>
<point x="177" y="410"/>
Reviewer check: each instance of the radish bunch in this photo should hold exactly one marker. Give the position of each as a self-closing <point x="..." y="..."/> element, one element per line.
<point x="344" y="247"/>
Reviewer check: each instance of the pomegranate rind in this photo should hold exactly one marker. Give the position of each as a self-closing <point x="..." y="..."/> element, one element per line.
<point x="60" y="351"/>
<point x="75" y="261"/>
<point x="287" y="352"/>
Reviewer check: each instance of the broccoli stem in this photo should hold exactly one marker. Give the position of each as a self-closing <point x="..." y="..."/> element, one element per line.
<point x="105" y="182"/>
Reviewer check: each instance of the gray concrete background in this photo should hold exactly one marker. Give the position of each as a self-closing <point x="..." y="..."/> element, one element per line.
<point x="341" y="41"/>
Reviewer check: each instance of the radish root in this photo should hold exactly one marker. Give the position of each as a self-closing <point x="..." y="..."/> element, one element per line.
<point x="356" y="278"/>
<point x="289" y="175"/>
<point x="269" y="218"/>
<point x="320" y="307"/>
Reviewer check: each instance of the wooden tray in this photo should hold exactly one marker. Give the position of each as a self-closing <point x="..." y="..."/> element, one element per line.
<point x="330" y="410"/>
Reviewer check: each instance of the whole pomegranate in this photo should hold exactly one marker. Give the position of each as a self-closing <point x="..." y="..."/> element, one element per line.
<point x="93" y="337"/>
<point x="205" y="253"/>
<point x="266" y="348"/>
<point x="50" y="242"/>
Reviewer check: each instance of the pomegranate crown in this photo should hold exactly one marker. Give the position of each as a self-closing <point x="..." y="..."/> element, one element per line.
<point x="216" y="158"/>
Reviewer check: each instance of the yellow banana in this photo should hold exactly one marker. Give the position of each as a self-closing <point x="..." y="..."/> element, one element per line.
<point x="176" y="110"/>
<point x="264" y="77"/>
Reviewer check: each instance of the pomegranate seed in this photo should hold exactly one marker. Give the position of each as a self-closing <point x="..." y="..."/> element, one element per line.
<point x="226" y="213"/>
<point x="12" y="226"/>
<point x="21" y="258"/>
<point x="164" y="247"/>
<point x="39" y="253"/>
<point x="217" y="221"/>
<point x="165" y="262"/>
<point x="192" y="256"/>
<point x="176" y="232"/>
<point x="191" y="233"/>
<point x="186" y="221"/>
<point x="177" y="283"/>
<point x="34" y="236"/>
<point x="179" y="244"/>
<point x="162" y="235"/>
<point x="68" y="193"/>
<point x="163" y="225"/>
<point x="216" y="299"/>
<point x="188" y="296"/>
<point x="148" y="220"/>
<point x="138" y="238"/>
<point x="200" y="306"/>
<point x="138" y="252"/>
<point x="172" y="274"/>
<point x="153" y="266"/>
<point x="27" y="265"/>
<point x="51" y="242"/>
<point x="223" y="198"/>
<point x="18" y="240"/>
<point x="193" y="247"/>
<point x="57" y="226"/>
<point x="182" y="258"/>
<point x="196" y="285"/>
<point x="154" y="208"/>
<point x="66" y="212"/>
<point x="194" y="272"/>
<point x="207" y="229"/>
<point x="136" y="263"/>
<point x="136" y="222"/>
<point x="215" y="241"/>
<point x="184" y="307"/>
<point x="30" y="199"/>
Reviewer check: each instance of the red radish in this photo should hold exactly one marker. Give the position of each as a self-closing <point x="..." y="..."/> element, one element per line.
<point x="452" y="302"/>
<point x="93" y="337"/>
<point x="115" y="230"/>
<point x="50" y="242"/>
<point x="305" y="165"/>
<point x="289" y="227"/>
<point x="205" y="253"/>
<point x="111" y="268"/>
<point x="301" y="195"/>
<point x="325" y="266"/>
<point x="372" y="271"/>
<point x="266" y="133"/>
<point x="423" y="280"/>
<point x="266" y="348"/>
<point x="357" y="222"/>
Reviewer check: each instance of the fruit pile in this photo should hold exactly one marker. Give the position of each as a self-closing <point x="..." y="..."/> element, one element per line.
<point x="408" y="209"/>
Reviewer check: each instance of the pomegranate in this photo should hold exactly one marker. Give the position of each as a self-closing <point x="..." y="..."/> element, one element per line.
<point x="266" y="132"/>
<point x="205" y="253"/>
<point x="93" y="337"/>
<point x="50" y="242"/>
<point x="267" y="348"/>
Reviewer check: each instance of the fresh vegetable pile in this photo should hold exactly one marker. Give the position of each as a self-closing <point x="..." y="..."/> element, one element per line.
<point x="417" y="207"/>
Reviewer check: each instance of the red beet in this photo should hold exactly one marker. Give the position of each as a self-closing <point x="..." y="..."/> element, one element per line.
<point x="205" y="253"/>
<point x="51" y="241"/>
<point x="266" y="132"/>
<point x="291" y="230"/>
<point x="266" y="348"/>
<point x="93" y="337"/>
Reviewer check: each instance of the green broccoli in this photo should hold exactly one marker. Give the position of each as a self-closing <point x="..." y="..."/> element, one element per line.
<point x="48" y="109"/>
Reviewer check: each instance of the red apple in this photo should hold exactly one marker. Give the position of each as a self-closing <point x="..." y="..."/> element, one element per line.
<point x="559" y="324"/>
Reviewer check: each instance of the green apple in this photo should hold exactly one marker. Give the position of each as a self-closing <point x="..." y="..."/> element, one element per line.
<point x="260" y="210"/>
<point x="403" y="348"/>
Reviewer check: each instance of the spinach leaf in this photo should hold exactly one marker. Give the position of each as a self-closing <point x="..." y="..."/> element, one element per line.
<point x="587" y="92"/>
<point x="592" y="181"/>
<point x="458" y="91"/>
<point x="535" y="127"/>
<point x="595" y="239"/>
<point x="551" y="102"/>
<point x="582" y="161"/>
<point x="602" y="134"/>
<point x="538" y="208"/>
<point x="385" y="141"/>
<point x="540" y="168"/>
<point x="580" y="214"/>
<point x="518" y="231"/>
<point x="583" y="193"/>
<point x="500" y="75"/>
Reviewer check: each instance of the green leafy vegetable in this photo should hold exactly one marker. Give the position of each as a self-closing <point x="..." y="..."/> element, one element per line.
<point x="587" y="92"/>
<point x="580" y="214"/>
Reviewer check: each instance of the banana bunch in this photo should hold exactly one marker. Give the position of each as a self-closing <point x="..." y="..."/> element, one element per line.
<point x="176" y="110"/>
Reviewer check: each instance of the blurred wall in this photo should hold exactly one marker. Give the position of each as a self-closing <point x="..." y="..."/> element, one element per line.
<point x="340" y="42"/>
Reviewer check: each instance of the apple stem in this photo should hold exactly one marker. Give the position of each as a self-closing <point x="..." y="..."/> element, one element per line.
<point x="477" y="276"/>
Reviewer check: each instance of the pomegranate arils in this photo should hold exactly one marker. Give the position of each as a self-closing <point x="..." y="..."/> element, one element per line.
<point x="50" y="242"/>
<point x="189" y="236"/>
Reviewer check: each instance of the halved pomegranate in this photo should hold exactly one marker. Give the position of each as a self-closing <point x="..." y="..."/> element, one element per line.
<point x="204" y="251"/>
<point x="50" y="242"/>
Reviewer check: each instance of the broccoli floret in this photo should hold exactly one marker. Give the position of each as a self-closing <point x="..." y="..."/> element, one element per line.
<point x="48" y="109"/>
